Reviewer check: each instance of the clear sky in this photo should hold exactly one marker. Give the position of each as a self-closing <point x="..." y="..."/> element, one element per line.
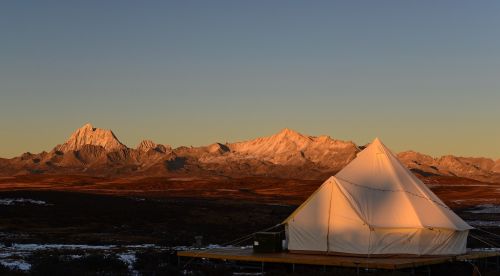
<point x="421" y="75"/>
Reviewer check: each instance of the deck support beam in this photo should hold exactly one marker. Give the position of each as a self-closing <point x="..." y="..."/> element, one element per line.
<point x="374" y="262"/>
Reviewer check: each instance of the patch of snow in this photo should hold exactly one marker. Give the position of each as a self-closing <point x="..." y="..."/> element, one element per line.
<point x="486" y="209"/>
<point x="484" y="223"/>
<point x="14" y="201"/>
<point x="138" y="199"/>
<point x="209" y="247"/>
<point x="5" y="255"/>
<point x="16" y="264"/>
<point x="34" y="246"/>
<point x="213" y="246"/>
<point x="15" y="256"/>
<point x="485" y="249"/>
<point x="128" y="258"/>
<point x="146" y="245"/>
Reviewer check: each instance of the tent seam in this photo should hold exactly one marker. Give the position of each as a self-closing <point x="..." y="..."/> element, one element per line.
<point x="292" y="215"/>
<point x="329" y="220"/>
<point x="387" y="190"/>
<point x="398" y="181"/>
<point x="350" y="203"/>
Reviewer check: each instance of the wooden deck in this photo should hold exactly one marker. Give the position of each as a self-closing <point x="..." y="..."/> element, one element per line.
<point x="238" y="254"/>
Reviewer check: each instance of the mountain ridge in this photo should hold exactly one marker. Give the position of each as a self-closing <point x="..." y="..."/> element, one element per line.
<point x="89" y="135"/>
<point x="286" y="154"/>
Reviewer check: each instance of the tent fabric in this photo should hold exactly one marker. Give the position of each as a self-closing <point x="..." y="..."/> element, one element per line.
<point x="375" y="205"/>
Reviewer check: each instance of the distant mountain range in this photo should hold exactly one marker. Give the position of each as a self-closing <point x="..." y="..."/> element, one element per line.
<point x="287" y="154"/>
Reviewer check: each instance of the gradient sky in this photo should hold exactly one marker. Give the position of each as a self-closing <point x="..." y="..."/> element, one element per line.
<point x="421" y="75"/>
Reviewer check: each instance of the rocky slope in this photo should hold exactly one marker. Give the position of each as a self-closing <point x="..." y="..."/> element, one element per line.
<point x="478" y="168"/>
<point x="88" y="135"/>
<point x="287" y="154"/>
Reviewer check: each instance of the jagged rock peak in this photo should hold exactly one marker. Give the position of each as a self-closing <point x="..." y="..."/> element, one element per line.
<point x="147" y="145"/>
<point x="290" y="133"/>
<point x="89" y="135"/>
<point x="88" y="126"/>
<point x="284" y="137"/>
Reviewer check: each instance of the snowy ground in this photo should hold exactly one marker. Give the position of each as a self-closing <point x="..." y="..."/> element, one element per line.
<point x="486" y="209"/>
<point x="483" y="223"/>
<point x="16" y="255"/>
<point x="21" y="201"/>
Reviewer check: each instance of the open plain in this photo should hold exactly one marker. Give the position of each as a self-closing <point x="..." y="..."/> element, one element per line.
<point x="169" y="212"/>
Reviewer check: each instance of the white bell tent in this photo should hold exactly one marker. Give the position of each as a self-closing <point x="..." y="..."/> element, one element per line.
<point x="375" y="205"/>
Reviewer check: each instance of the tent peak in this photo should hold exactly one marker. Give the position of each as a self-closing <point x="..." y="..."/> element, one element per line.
<point x="376" y="141"/>
<point x="375" y="144"/>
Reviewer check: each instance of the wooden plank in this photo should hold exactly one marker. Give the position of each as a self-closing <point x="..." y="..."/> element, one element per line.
<point x="478" y="255"/>
<point x="247" y="254"/>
